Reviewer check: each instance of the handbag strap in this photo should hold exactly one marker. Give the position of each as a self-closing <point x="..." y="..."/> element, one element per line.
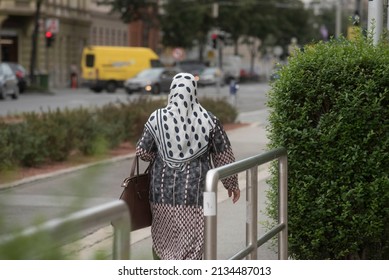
<point x="135" y="164"/>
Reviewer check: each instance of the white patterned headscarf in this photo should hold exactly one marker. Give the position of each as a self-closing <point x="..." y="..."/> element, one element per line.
<point x="181" y="129"/>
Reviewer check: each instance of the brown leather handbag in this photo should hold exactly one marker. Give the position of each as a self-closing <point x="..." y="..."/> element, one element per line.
<point x="136" y="195"/>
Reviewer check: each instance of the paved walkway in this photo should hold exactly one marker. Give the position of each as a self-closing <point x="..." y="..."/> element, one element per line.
<point x="250" y="140"/>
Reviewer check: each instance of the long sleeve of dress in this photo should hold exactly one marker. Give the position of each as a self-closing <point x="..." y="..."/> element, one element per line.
<point x="146" y="149"/>
<point x="222" y="154"/>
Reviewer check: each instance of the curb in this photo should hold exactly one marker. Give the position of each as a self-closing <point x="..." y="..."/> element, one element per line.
<point x="63" y="171"/>
<point x="82" y="166"/>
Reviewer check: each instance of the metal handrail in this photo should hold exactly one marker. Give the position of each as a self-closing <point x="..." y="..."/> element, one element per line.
<point x="61" y="229"/>
<point x="210" y="205"/>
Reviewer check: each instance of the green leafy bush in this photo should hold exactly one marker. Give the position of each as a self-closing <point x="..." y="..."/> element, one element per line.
<point x="221" y="108"/>
<point x="39" y="246"/>
<point x="110" y="117"/>
<point x="38" y="138"/>
<point x="59" y="134"/>
<point x="90" y="138"/>
<point x="330" y="110"/>
<point x="28" y="139"/>
<point x="137" y="113"/>
<point x="6" y="151"/>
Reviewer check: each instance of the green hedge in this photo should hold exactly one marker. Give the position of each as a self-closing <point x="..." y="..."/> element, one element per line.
<point x="52" y="136"/>
<point x="330" y="110"/>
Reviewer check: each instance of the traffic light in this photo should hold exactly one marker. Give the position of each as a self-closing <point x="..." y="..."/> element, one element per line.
<point x="49" y="38"/>
<point x="214" y="40"/>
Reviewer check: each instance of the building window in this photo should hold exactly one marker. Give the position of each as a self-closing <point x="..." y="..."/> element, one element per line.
<point x="107" y="37"/>
<point x="125" y="39"/>
<point x="101" y="36"/>
<point x="113" y="39"/>
<point x="94" y="40"/>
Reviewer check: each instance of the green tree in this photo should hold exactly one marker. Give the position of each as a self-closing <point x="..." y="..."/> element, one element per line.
<point x="277" y="21"/>
<point x="231" y="21"/>
<point x="130" y="10"/>
<point x="271" y="22"/>
<point x="136" y="10"/>
<point x="186" y="23"/>
<point x="291" y="20"/>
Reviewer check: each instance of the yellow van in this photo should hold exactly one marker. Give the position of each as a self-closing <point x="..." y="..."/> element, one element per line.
<point x="107" y="67"/>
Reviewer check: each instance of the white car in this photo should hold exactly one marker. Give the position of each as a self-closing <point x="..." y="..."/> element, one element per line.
<point x="8" y="82"/>
<point x="211" y="76"/>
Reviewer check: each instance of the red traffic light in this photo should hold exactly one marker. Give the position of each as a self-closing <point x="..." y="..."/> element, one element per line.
<point x="50" y="37"/>
<point x="214" y="38"/>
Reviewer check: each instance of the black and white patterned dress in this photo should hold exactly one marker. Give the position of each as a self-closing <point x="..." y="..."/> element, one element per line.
<point x="178" y="172"/>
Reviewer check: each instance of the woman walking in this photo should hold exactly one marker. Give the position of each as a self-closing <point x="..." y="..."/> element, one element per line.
<point x="183" y="141"/>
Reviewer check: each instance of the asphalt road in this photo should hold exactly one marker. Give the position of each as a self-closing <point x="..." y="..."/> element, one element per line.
<point x="250" y="97"/>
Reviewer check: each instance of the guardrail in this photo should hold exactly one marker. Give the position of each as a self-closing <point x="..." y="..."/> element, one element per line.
<point x="210" y="205"/>
<point x="62" y="229"/>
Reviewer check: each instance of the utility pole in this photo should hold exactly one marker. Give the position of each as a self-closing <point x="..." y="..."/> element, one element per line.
<point x="34" y="41"/>
<point x="215" y="14"/>
<point x="375" y="19"/>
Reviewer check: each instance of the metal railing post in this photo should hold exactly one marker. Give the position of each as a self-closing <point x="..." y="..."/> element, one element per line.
<point x="121" y="238"/>
<point x="210" y="205"/>
<point x="283" y="207"/>
<point x="210" y="218"/>
<point x="251" y="212"/>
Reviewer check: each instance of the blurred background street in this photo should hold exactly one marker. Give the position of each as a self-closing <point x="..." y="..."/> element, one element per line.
<point x="56" y="196"/>
<point x="242" y="39"/>
<point x="70" y="54"/>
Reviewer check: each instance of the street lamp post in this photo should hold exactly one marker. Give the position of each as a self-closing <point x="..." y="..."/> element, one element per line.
<point x="375" y="19"/>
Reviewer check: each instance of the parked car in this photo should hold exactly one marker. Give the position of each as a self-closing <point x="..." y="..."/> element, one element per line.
<point x="8" y="82"/>
<point x="153" y="80"/>
<point x="21" y="75"/>
<point x="211" y="76"/>
<point x="193" y="67"/>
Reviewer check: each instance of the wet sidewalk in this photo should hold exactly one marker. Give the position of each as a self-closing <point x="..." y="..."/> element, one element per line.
<point x="250" y="140"/>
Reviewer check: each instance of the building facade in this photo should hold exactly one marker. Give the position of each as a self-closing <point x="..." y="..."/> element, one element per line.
<point x="74" y="24"/>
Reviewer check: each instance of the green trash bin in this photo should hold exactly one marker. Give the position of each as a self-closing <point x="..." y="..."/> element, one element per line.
<point x="44" y="81"/>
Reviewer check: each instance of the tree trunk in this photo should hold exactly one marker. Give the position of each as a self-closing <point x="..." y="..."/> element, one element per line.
<point x="252" y="62"/>
<point x="201" y="52"/>
<point x="202" y="42"/>
<point x="236" y="47"/>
